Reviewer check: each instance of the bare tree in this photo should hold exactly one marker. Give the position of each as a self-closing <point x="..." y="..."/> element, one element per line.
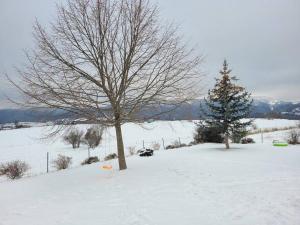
<point x="74" y="137"/>
<point x="105" y="60"/>
<point x="93" y="136"/>
<point x="293" y="137"/>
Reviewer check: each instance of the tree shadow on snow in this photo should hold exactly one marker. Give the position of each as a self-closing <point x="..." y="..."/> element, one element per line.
<point x="223" y="149"/>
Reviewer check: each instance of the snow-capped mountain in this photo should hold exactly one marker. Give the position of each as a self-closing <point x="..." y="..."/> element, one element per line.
<point x="262" y="108"/>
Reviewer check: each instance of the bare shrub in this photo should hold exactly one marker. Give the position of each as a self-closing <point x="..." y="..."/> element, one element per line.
<point x="93" y="136"/>
<point x="170" y="147"/>
<point x="90" y="160"/>
<point x="155" y="146"/>
<point x="131" y="150"/>
<point x="111" y="156"/>
<point x="62" y="162"/>
<point x="192" y="143"/>
<point x="247" y="140"/>
<point x="176" y="144"/>
<point x="293" y="137"/>
<point x="14" y="170"/>
<point x="74" y="137"/>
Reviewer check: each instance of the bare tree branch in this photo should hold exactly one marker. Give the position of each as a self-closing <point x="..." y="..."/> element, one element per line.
<point x="105" y="60"/>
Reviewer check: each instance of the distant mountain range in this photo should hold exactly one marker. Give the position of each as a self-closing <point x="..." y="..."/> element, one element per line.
<point x="30" y="115"/>
<point x="190" y="111"/>
<point x="260" y="109"/>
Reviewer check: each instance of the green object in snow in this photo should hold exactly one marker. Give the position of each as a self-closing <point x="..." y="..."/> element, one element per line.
<point x="280" y="144"/>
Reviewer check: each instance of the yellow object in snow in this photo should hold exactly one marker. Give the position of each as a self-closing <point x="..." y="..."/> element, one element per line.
<point x="106" y="167"/>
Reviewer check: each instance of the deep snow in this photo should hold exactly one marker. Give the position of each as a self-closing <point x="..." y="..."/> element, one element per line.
<point x="203" y="184"/>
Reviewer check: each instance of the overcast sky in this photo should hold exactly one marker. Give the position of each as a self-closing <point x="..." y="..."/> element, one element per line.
<point x="260" y="39"/>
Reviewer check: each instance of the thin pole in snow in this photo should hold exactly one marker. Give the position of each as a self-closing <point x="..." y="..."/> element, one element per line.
<point x="143" y="144"/>
<point x="47" y="162"/>
<point x="163" y="141"/>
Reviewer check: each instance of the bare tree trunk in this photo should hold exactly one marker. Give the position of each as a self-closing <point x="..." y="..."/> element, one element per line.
<point x="120" y="145"/>
<point x="226" y="141"/>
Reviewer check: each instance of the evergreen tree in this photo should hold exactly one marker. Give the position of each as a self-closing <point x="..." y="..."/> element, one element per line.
<point x="227" y="103"/>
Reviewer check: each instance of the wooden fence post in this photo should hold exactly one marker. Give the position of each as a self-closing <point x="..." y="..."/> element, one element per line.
<point x="47" y="162"/>
<point x="163" y="141"/>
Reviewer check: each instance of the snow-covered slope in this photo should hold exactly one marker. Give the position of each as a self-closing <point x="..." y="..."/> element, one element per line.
<point x="26" y="144"/>
<point x="203" y="184"/>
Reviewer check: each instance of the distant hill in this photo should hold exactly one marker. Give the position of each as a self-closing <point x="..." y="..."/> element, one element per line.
<point x="189" y="111"/>
<point x="29" y="115"/>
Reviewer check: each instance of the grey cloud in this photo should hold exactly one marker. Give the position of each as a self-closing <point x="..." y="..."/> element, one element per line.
<point x="260" y="38"/>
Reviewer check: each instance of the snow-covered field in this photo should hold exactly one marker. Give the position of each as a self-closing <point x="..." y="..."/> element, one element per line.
<point x="202" y="184"/>
<point x="27" y="144"/>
